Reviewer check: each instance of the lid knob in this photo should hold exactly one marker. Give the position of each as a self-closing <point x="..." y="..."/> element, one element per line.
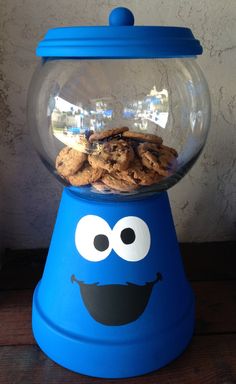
<point x="121" y="16"/>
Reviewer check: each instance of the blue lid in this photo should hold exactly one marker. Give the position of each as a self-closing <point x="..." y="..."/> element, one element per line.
<point x="121" y="39"/>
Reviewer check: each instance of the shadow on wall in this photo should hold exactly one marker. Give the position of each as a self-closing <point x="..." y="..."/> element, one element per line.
<point x="216" y="176"/>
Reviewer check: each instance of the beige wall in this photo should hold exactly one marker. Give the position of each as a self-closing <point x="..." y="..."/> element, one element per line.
<point x="203" y="202"/>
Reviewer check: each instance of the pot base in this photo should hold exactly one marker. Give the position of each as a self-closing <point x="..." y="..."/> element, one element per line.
<point x="111" y="360"/>
<point x="114" y="317"/>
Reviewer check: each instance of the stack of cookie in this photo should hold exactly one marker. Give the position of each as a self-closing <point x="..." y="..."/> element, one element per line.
<point x="123" y="161"/>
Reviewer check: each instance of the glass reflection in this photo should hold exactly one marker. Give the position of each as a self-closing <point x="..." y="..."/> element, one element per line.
<point x="70" y="122"/>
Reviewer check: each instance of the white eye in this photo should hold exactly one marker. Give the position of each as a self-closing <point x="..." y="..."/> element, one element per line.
<point x="92" y="238"/>
<point x="131" y="238"/>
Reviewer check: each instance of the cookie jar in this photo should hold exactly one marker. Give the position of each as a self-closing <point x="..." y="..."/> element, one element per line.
<point x="118" y="114"/>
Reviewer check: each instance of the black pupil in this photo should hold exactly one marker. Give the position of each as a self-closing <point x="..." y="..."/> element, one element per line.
<point x="101" y="242"/>
<point x="127" y="235"/>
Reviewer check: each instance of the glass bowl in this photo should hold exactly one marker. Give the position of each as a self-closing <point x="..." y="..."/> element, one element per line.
<point x="119" y="129"/>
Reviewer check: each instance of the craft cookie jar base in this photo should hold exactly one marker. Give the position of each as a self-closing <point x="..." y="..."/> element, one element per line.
<point x="110" y="316"/>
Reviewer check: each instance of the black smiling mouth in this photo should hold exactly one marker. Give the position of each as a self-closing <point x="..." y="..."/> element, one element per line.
<point x="116" y="304"/>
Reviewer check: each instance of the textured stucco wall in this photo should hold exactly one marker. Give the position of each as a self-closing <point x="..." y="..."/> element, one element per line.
<point x="203" y="202"/>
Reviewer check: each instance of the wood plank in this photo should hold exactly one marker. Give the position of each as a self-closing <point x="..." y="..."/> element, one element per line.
<point x="15" y="317"/>
<point x="203" y="261"/>
<point x="215" y="306"/>
<point x="215" y="311"/>
<point x="208" y="360"/>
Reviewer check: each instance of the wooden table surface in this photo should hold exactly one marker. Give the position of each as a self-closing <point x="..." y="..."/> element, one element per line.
<point x="209" y="359"/>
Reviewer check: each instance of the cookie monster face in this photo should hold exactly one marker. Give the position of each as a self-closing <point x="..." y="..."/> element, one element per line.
<point x="119" y="294"/>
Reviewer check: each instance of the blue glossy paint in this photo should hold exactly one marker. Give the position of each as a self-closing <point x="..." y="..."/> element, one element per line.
<point x="64" y="328"/>
<point x="121" y="39"/>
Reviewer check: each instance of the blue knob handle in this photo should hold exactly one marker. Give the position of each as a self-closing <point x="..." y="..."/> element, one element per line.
<point x="121" y="16"/>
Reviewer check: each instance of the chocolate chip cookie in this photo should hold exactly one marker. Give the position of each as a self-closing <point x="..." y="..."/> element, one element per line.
<point x="97" y="136"/>
<point x="145" y="137"/>
<point x="69" y="161"/>
<point x="86" y="175"/>
<point x="116" y="160"/>
<point x="114" y="155"/>
<point x="161" y="160"/>
<point x="138" y="174"/>
<point x="113" y="182"/>
<point x="164" y="148"/>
